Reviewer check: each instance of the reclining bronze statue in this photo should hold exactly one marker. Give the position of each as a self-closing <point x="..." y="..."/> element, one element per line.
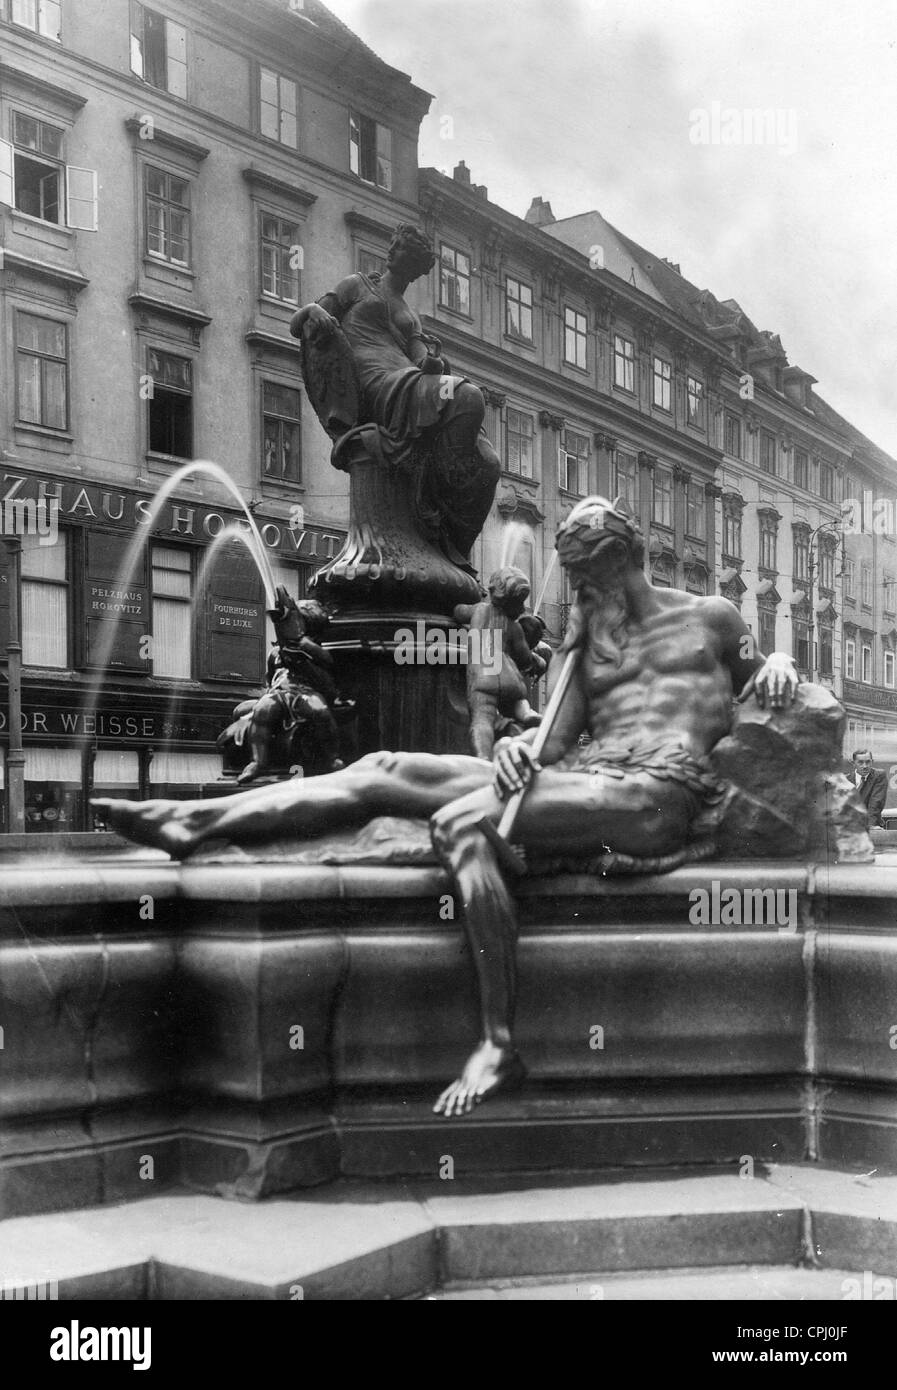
<point x="652" y="673"/>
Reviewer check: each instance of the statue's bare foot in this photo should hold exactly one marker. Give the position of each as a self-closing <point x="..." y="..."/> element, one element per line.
<point x="249" y="771"/>
<point x="162" y="824"/>
<point x="487" y="1069"/>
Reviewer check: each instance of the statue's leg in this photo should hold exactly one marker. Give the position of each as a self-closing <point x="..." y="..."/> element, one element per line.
<point x="461" y="424"/>
<point x="569" y="812"/>
<point x="398" y="784"/>
<point x="260" y="735"/>
<point x="483" y="710"/>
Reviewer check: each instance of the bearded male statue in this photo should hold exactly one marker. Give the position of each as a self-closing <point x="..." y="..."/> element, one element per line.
<point x="652" y="691"/>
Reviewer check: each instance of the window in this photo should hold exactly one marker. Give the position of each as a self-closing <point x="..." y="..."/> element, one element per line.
<point x="801" y="468"/>
<point x="624" y="363"/>
<point x="866" y="585"/>
<point x="278" y="108"/>
<point x="370" y="150"/>
<point x="826" y="649"/>
<point x="454" y="279"/>
<point x="801" y="645"/>
<point x="766" y="630"/>
<point x="695" y="400"/>
<point x="694" y="510"/>
<point x="767" y="451"/>
<point x="889" y="670"/>
<point x="733" y="436"/>
<point x="42" y="372"/>
<point x="575" y="338"/>
<point x="158" y="50"/>
<point x="663" y="383"/>
<point x="887" y="584"/>
<point x="826" y="567"/>
<point x="518" y="310"/>
<point x="768" y="541"/>
<point x="801" y="554"/>
<point x="172" y="622"/>
<point x="43" y="16"/>
<point x="826" y="482"/>
<point x="281" y="442"/>
<point x="369" y="263"/>
<point x="519" y="447"/>
<point x="850" y="659"/>
<point x="626" y="480"/>
<point x="849" y="579"/>
<point x="281" y="258"/>
<point x="170" y="404"/>
<point x="45" y="602"/>
<point x="732" y="534"/>
<point x="573" y="463"/>
<point x="866" y="676"/>
<point x="167" y="217"/>
<point x="34" y="179"/>
<point x="663" y="496"/>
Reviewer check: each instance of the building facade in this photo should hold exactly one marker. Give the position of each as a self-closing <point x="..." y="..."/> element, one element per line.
<point x="605" y="369"/>
<point x="175" y="179"/>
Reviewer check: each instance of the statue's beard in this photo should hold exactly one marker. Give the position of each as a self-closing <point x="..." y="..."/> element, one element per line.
<point x="602" y="621"/>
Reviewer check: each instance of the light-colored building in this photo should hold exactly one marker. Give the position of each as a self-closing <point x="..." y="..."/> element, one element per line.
<point x="605" y="369"/>
<point x="174" y="179"/>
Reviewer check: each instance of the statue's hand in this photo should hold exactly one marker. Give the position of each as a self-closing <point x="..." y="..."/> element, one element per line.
<point x="774" y="684"/>
<point x="433" y="366"/>
<point x="314" y="320"/>
<point x="514" y="766"/>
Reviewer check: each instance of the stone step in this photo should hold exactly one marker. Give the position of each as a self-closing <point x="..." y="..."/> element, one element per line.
<point x="388" y="1241"/>
<point x="742" y="1283"/>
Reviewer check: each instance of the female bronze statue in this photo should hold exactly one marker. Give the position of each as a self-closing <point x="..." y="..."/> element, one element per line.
<point x="427" y="419"/>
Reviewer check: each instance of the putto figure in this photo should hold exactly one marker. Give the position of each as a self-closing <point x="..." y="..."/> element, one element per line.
<point x="293" y="721"/>
<point x="651" y="690"/>
<point x="497" y="694"/>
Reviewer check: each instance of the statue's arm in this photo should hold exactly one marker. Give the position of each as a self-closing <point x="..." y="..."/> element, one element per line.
<point x="772" y="678"/>
<point x="330" y="308"/>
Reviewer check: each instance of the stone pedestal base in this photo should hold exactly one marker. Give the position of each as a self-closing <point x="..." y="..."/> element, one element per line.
<point x="413" y="707"/>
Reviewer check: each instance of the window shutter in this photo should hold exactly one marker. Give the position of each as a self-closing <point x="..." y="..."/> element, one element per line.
<point x="176" y="58"/>
<point x="7" y="179"/>
<point x="233" y="619"/>
<point x="81" y="199"/>
<point x="107" y="600"/>
<point x="137" y="38"/>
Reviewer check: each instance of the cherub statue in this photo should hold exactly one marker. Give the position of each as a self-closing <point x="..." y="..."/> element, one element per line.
<point x="294" y="720"/>
<point x="499" y="657"/>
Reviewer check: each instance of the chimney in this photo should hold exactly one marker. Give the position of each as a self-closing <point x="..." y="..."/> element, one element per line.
<point x="540" y="214"/>
<point x="481" y="191"/>
<point x="674" y="265"/>
<point x="461" y="174"/>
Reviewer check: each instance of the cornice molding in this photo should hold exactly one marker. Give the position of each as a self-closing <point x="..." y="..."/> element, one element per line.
<point x="71" y="280"/>
<point x="361" y="222"/>
<point x="135" y="125"/>
<point x="48" y="90"/>
<point x="260" y="178"/>
<point x="167" y="308"/>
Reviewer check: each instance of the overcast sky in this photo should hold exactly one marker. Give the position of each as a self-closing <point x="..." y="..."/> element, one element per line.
<point x="591" y="103"/>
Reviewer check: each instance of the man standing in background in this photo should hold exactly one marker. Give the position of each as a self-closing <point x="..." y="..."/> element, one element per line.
<point x="871" y="784"/>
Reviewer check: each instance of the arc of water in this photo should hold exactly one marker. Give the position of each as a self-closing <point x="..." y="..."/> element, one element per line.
<point x="252" y="539"/>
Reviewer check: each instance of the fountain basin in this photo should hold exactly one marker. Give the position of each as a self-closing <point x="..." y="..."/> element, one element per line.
<point x="150" y="1012"/>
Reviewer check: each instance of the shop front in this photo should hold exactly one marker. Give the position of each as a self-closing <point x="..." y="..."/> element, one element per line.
<point x="133" y="657"/>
